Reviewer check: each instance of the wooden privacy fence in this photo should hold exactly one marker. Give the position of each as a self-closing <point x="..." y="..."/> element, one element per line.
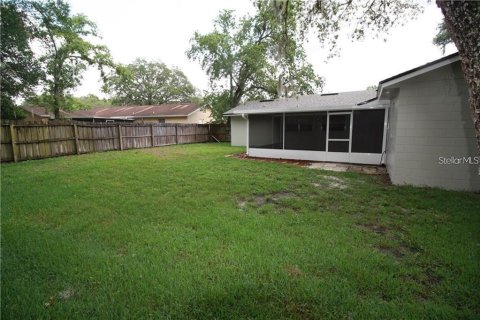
<point x="35" y="141"/>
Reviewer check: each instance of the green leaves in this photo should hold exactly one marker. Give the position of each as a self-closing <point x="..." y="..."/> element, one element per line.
<point x="442" y="38"/>
<point x="70" y="102"/>
<point x="241" y="58"/>
<point x="147" y="83"/>
<point x="65" y="46"/>
<point x="357" y="18"/>
<point x="20" y="71"/>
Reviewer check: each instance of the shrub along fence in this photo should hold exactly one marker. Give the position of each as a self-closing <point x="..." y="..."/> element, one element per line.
<point x="26" y="141"/>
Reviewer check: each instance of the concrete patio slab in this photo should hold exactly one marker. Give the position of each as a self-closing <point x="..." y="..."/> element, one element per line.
<point x="344" y="167"/>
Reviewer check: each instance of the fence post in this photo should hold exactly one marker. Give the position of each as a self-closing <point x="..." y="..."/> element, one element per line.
<point x="195" y="130"/>
<point x="13" y="138"/>
<point x="176" y="134"/>
<point x="75" y="132"/>
<point x="153" y="137"/>
<point x="119" y="127"/>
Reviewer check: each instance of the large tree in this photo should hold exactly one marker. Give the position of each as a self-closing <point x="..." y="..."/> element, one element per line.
<point x="67" y="48"/>
<point x="242" y="60"/>
<point x="462" y="20"/>
<point x="147" y="83"/>
<point x="20" y="70"/>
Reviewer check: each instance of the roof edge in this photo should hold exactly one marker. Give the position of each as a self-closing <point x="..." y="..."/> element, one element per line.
<point x="447" y="60"/>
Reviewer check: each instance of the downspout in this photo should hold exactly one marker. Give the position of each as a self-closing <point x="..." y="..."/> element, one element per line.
<point x="245" y="117"/>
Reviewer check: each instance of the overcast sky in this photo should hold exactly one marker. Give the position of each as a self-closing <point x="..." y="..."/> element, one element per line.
<point x="162" y="30"/>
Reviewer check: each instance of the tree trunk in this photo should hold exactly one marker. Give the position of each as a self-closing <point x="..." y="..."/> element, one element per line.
<point x="56" y="102"/>
<point x="232" y="103"/>
<point x="463" y="23"/>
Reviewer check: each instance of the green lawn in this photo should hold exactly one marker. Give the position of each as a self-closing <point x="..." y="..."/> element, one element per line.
<point x="185" y="232"/>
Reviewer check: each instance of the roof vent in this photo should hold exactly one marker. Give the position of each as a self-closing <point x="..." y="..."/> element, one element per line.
<point x="329" y="94"/>
<point x="267" y="100"/>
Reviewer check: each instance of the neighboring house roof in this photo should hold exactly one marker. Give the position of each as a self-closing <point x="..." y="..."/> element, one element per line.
<point x="38" y="111"/>
<point x="315" y="102"/>
<point x="132" y="112"/>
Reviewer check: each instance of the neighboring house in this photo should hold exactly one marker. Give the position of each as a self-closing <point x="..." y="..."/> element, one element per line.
<point x="37" y="114"/>
<point x="415" y="123"/>
<point x="164" y="113"/>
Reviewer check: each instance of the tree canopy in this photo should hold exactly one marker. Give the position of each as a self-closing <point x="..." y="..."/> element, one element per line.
<point x="242" y="59"/>
<point x="67" y="48"/>
<point x="327" y="18"/>
<point x="70" y="102"/>
<point x="147" y="83"/>
<point x="20" y="70"/>
<point x="65" y="45"/>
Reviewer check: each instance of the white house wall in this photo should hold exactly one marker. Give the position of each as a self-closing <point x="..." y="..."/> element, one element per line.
<point x="200" y="116"/>
<point x="238" y="131"/>
<point x="429" y="119"/>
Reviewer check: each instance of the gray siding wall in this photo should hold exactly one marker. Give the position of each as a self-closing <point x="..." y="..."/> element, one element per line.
<point x="238" y="131"/>
<point x="429" y="119"/>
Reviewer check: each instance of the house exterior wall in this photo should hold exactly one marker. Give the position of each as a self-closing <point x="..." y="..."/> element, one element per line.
<point x="148" y="120"/>
<point x="34" y="118"/>
<point x="162" y="120"/>
<point x="238" y="131"/>
<point x="198" y="117"/>
<point x="429" y="119"/>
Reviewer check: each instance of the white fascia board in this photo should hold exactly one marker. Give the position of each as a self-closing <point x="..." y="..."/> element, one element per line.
<point x="381" y="105"/>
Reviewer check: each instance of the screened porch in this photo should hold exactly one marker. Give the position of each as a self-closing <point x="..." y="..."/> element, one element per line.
<point x="354" y="136"/>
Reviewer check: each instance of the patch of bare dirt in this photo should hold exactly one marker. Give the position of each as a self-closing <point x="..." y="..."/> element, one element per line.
<point x="400" y="250"/>
<point x="385" y="178"/>
<point x="63" y="295"/>
<point x="292" y="271"/>
<point x="66" y="294"/>
<point x="260" y="200"/>
<point x="241" y="204"/>
<point x="431" y="278"/>
<point x="331" y="182"/>
<point x="336" y="182"/>
<point x="121" y="251"/>
<point x="373" y="227"/>
<point x="394" y="252"/>
<point x="428" y="279"/>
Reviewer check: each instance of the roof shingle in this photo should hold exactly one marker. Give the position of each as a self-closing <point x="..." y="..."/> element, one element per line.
<point x="314" y="102"/>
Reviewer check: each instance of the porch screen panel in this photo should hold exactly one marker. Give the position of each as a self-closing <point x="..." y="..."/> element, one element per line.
<point x="339" y="126"/>
<point x="338" y="146"/>
<point x="367" y="133"/>
<point x="306" y="131"/>
<point x="265" y="131"/>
